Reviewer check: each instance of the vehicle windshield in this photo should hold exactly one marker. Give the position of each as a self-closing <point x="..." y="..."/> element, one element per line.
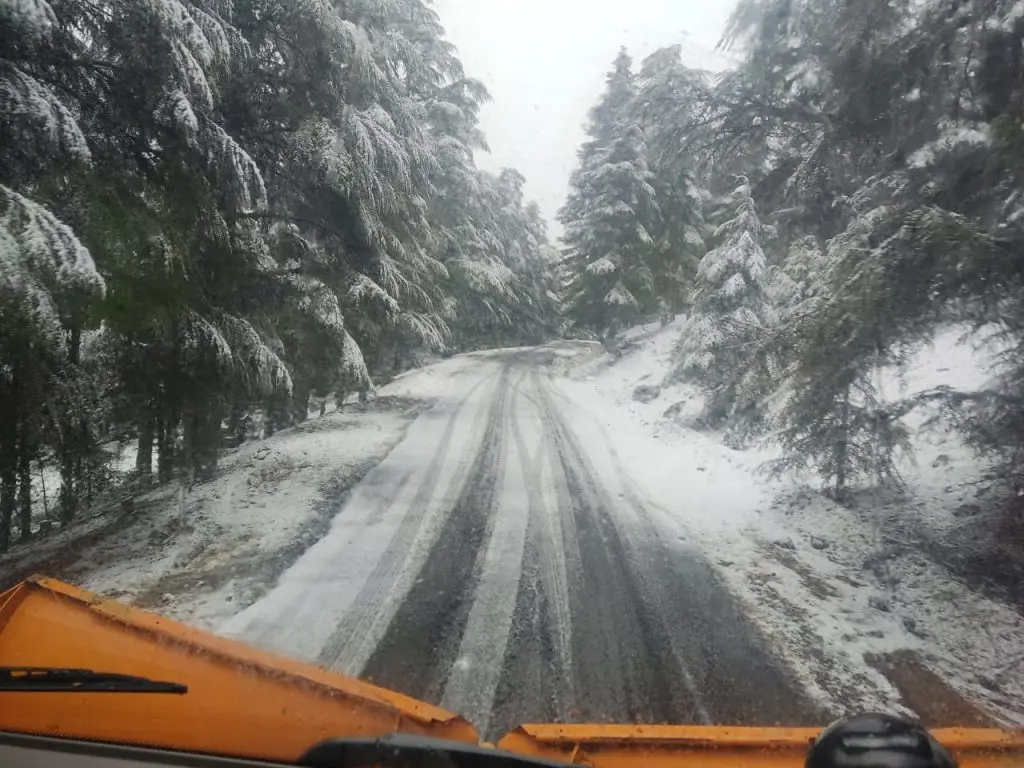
<point x="573" y="361"/>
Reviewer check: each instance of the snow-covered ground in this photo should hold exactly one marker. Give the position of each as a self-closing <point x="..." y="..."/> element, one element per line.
<point x="842" y="592"/>
<point x="203" y="556"/>
<point x="866" y="603"/>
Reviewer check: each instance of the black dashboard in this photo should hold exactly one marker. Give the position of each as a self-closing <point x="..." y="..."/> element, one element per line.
<point x="398" y="751"/>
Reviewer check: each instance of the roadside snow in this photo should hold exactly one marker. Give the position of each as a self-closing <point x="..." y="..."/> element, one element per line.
<point x="836" y="589"/>
<point x="236" y="527"/>
<point x="302" y="614"/>
<point x="203" y="556"/>
<point x="446" y="379"/>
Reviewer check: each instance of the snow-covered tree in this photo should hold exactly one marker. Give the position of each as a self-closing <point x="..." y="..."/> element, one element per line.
<point x="730" y="309"/>
<point x="669" y="97"/>
<point x="834" y="418"/>
<point x="610" y="216"/>
<point x="210" y="207"/>
<point x="881" y="141"/>
<point x="506" y="265"/>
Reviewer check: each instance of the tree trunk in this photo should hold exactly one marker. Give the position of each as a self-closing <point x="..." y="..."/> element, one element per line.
<point x="843" y="447"/>
<point x="159" y="429"/>
<point x="74" y="345"/>
<point x="42" y="487"/>
<point x="8" y="476"/>
<point x="68" y="499"/>
<point x="300" y="400"/>
<point x="166" y="428"/>
<point x="276" y="415"/>
<point x="144" y="458"/>
<point x="83" y="464"/>
<point x="238" y="424"/>
<point x="205" y="440"/>
<point x="188" y="442"/>
<point x="24" y="493"/>
<point x="186" y="466"/>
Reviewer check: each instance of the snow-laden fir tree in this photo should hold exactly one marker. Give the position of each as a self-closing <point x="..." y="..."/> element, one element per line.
<point x="669" y="99"/>
<point x="885" y="138"/>
<point x="610" y="215"/>
<point x="835" y="418"/>
<point x="128" y="112"/>
<point x="730" y="309"/>
<point x="254" y="183"/>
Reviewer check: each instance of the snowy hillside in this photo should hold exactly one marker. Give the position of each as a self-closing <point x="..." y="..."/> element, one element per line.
<point x="206" y="554"/>
<point x="884" y="603"/>
<point x="863" y="600"/>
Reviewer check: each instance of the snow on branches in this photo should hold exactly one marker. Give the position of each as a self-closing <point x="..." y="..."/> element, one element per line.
<point x="42" y="262"/>
<point x="31" y="18"/>
<point x="33" y="115"/>
<point x="236" y="347"/>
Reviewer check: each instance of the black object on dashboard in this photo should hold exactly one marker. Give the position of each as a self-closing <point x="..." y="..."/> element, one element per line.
<point x="877" y="740"/>
<point x="398" y="751"/>
<point x="57" y="680"/>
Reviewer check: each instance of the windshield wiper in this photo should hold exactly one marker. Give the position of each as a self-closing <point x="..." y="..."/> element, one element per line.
<point x="57" y="680"/>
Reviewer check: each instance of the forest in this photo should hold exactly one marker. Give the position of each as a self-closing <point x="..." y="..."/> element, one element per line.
<point x="817" y="212"/>
<point x="210" y="208"/>
<point x="216" y="208"/>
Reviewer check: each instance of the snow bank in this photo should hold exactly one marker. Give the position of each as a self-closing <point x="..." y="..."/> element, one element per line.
<point x="264" y="505"/>
<point x="447" y="379"/>
<point x="834" y="589"/>
<point x="202" y="556"/>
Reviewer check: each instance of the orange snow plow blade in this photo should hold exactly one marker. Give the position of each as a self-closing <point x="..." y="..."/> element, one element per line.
<point x="240" y="701"/>
<point x="710" y="746"/>
<point x="246" y="703"/>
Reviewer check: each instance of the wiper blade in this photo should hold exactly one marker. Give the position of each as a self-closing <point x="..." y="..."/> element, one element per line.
<point x="57" y="680"/>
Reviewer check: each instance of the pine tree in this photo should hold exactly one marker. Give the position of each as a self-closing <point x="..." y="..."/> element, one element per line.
<point x="610" y="215"/>
<point x="669" y="98"/>
<point x="884" y="138"/>
<point x="731" y="309"/>
<point x="210" y="208"/>
<point x="834" y="419"/>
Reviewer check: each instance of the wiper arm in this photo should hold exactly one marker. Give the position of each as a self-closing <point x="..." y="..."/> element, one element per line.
<point x="57" y="680"/>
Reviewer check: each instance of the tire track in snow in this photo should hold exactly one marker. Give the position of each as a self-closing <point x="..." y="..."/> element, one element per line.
<point x="303" y="610"/>
<point x="416" y="653"/>
<point x="474" y="676"/>
<point x="530" y="688"/>
<point x="626" y="667"/>
<point x="367" y="616"/>
<point x="503" y="562"/>
<point x="296" y="616"/>
<point x="536" y="683"/>
<point x="722" y="653"/>
<point x="555" y="549"/>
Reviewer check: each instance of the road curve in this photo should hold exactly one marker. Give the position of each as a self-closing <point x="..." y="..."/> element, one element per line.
<point x="500" y="565"/>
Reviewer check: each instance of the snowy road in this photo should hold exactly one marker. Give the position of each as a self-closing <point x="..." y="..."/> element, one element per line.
<point x="500" y="562"/>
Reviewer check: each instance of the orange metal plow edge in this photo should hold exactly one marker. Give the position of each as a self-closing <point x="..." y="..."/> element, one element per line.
<point x="247" y="703"/>
<point x="240" y="701"/>
<point x="674" y="746"/>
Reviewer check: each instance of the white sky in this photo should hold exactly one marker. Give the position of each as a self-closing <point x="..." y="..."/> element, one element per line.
<point x="545" y="61"/>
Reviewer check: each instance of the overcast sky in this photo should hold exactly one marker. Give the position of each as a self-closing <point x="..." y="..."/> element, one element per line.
<point x="545" y="61"/>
